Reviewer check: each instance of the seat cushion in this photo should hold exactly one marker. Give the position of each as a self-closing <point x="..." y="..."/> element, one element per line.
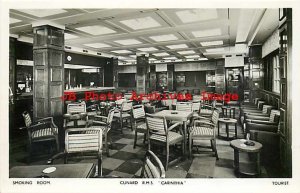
<point x="124" y="115"/>
<point x="103" y="127"/>
<point x="172" y="137"/>
<point x="142" y="127"/>
<point x="202" y="131"/>
<point x="44" y="133"/>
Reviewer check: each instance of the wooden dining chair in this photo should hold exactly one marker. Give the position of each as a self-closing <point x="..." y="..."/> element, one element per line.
<point x="184" y="106"/>
<point x="124" y="114"/>
<point x="139" y="122"/>
<point x="158" y="133"/>
<point x="105" y="124"/>
<point x="204" y="130"/>
<point x="152" y="166"/>
<point x="86" y="141"/>
<point x="76" y="115"/>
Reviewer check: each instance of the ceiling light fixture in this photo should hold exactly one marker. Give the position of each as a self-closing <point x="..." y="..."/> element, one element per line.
<point x="128" y="42"/>
<point x="162" y="38"/>
<point x="177" y="46"/>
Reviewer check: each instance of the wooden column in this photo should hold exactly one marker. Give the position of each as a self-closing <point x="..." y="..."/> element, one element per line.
<point x="142" y="74"/>
<point x="170" y="69"/>
<point x="220" y="76"/>
<point x="12" y="82"/>
<point x="48" y="72"/>
<point x="152" y="78"/>
<point x="115" y="73"/>
<point x="285" y="104"/>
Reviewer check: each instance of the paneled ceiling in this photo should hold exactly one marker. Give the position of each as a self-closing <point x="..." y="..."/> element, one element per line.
<point x="165" y="34"/>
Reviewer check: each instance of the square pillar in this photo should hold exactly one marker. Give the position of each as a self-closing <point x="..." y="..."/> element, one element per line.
<point x="48" y="71"/>
<point x="142" y="74"/>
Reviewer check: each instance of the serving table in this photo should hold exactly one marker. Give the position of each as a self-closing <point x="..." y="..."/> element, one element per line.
<point x="180" y="116"/>
<point x="239" y="146"/>
<point x="81" y="170"/>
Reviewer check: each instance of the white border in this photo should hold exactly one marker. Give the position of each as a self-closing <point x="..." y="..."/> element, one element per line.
<point x="113" y="185"/>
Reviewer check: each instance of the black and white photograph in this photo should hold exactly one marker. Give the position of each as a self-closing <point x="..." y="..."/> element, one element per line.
<point x="149" y="97"/>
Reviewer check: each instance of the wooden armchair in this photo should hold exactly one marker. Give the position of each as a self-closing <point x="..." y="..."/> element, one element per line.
<point x="160" y="134"/>
<point x="76" y="115"/>
<point x="42" y="130"/>
<point x="204" y="130"/>
<point x="152" y="168"/>
<point x="105" y="124"/>
<point x="84" y="140"/>
<point x="139" y="122"/>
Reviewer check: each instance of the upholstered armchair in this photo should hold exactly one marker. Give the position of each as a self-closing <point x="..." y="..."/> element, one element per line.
<point x="40" y="131"/>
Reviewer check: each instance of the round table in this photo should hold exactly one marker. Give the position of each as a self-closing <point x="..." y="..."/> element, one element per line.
<point x="227" y="122"/>
<point x="226" y="109"/>
<point x="239" y="146"/>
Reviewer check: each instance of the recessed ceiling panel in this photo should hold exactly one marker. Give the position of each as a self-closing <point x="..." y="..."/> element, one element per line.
<point x="177" y="46"/>
<point x="186" y="52"/>
<point x="212" y="43"/>
<point x="127" y="42"/>
<point x="97" y="45"/>
<point x="149" y="49"/>
<point x="42" y="12"/>
<point x="207" y="33"/>
<point x="121" y="51"/>
<point x="195" y="15"/>
<point x="161" y="54"/>
<point x="96" y="30"/>
<point x="141" y="23"/>
<point x="163" y="38"/>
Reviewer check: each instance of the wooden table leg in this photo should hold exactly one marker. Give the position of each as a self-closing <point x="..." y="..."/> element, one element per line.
<point x="185" y="137"/>
<point x="235" y="130"/>
<point x="227" y="131"/>
<point x="258" y="163"/>
<point x="236" y="160"/>
<point x="218" y="128"/>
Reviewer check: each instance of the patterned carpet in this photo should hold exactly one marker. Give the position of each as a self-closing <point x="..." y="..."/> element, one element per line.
<point x="125" y="161"/>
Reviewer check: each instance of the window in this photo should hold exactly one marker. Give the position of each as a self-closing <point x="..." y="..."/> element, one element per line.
<point x="276" y="74"/>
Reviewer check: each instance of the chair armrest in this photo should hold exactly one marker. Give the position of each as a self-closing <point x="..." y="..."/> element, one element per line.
<point x="173" y="126"/>
<point x="200" y="117"/>
<point x="203" y="122"/>
<point x="56" y="156"/>
<point x="256" y="118"/>
<point x="261" y="127"/>
<point x="262" y="122"/>
<point x="100" y="117"/>
<point x="257" y="114"/>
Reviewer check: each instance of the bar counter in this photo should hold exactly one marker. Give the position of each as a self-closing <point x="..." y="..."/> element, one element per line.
<point x="90" y="89"/>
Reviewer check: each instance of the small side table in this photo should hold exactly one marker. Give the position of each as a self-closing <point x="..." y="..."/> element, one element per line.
<point x="228" y="109"/>
<point x="227" y="122"/>
<point x="239" y="146"/>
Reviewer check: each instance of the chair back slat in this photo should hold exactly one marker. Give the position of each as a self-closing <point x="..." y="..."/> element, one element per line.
<point x="79" y="142"/>
<point x="156" y="125"/>
<point x="196" y="106"/>
<point x="266" y="109"/>
<point x="138" y="111"/>
<point x="184" y="106"/>
<point x="274" y="116"/>
<point x="73" y="108"/>
<point x="215" y="117"/>
<point x="110" y="116"/>
<point x="152" y="168"/>
<point x="126" y="106"/>
<point x="27" y="119"/>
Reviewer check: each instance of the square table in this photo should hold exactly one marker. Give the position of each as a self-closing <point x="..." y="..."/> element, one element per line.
<point x="181" y="116"/>
<point x="81" y="170"/>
